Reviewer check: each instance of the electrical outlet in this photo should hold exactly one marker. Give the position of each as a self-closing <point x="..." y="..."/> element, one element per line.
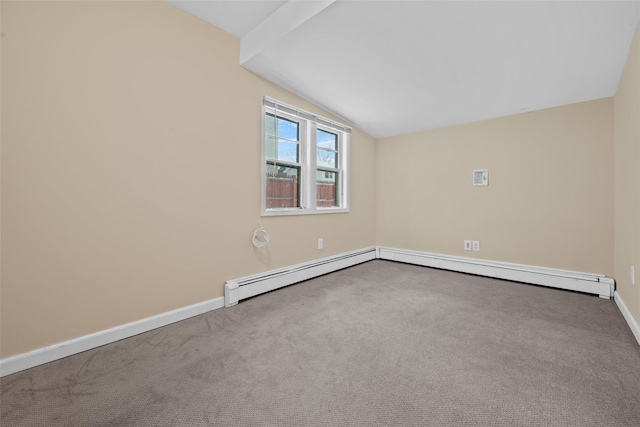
<point x="633" y="275"/>
<point x="467" y="245"/>
<point x="320" y="243"/>
<point x="476" y="245"/>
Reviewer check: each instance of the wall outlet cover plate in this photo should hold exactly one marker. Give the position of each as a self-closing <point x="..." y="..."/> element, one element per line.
<point x="480" y="177"/>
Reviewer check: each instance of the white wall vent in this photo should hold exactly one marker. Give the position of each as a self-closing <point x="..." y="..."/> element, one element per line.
<point x="480" y="177"/>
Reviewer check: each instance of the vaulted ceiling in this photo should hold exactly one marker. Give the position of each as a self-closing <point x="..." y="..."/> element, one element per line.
<point x="396" y="67"/>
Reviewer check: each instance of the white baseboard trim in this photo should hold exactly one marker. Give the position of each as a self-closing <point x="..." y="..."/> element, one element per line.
<point x="57" y="351"/>
<point x="635" y="328"/>
<point x="564" y="279"/>
<point x="245" y="287"/>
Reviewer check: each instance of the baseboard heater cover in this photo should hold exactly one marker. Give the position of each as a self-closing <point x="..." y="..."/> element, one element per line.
<point x="597" y="284"/>
<point x="246" y="287"/>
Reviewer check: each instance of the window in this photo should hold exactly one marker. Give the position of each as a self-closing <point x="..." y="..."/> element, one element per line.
<point x="304" y="162"/>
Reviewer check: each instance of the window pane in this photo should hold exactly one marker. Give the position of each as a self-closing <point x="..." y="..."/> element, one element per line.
<point x="285" y="150"/>
<point x="283" y="186"/>
<point x="327" y="189"/>
<point x="271" y="148"/>
<point x="288" y="151"/>
<point x="287" y="129"/>
<point x="270" y="124"/>
<point x="327" y="158"/>
<point x="327" y="140"/>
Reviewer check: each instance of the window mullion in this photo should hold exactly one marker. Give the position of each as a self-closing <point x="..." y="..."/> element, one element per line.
<point x="311" y="145"/>
<point x="343" y="162"/>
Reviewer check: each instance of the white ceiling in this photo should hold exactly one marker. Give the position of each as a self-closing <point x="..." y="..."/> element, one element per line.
<point x="396" y="67"/>
<point x="236" y="17"/>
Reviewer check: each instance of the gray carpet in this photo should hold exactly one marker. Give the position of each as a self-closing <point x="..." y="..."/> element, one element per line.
<point x="381" y="343"/>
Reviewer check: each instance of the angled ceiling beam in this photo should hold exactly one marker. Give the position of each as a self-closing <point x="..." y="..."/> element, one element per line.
<point x="287" y="18"/>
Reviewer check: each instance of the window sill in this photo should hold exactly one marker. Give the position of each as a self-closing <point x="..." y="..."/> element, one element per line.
<point x="318" y="211"/>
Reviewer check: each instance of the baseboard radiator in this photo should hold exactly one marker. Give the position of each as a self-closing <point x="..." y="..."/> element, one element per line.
<point x="597" y="284"/>
<point x="246" y="287"/>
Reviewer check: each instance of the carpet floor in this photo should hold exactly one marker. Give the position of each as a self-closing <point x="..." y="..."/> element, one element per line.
<point x="378" y="344"/>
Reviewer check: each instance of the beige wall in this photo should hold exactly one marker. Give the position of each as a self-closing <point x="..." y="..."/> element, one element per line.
<point x="549" y="201"/>
<point x="119" y="121"/>
<point x="627" y="180"/>
<point x="131" y="169"/>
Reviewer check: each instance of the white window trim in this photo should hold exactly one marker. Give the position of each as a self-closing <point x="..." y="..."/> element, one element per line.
<point x="308" y="159"/>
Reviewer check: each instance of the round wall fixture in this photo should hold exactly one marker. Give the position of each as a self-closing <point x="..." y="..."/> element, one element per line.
<point x="260" y="237"/>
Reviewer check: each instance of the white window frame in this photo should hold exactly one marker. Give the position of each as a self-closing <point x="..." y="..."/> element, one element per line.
<point x="309" y="124"/>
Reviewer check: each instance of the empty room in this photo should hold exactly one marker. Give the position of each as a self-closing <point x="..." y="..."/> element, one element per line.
<point x="320" y="213"/>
